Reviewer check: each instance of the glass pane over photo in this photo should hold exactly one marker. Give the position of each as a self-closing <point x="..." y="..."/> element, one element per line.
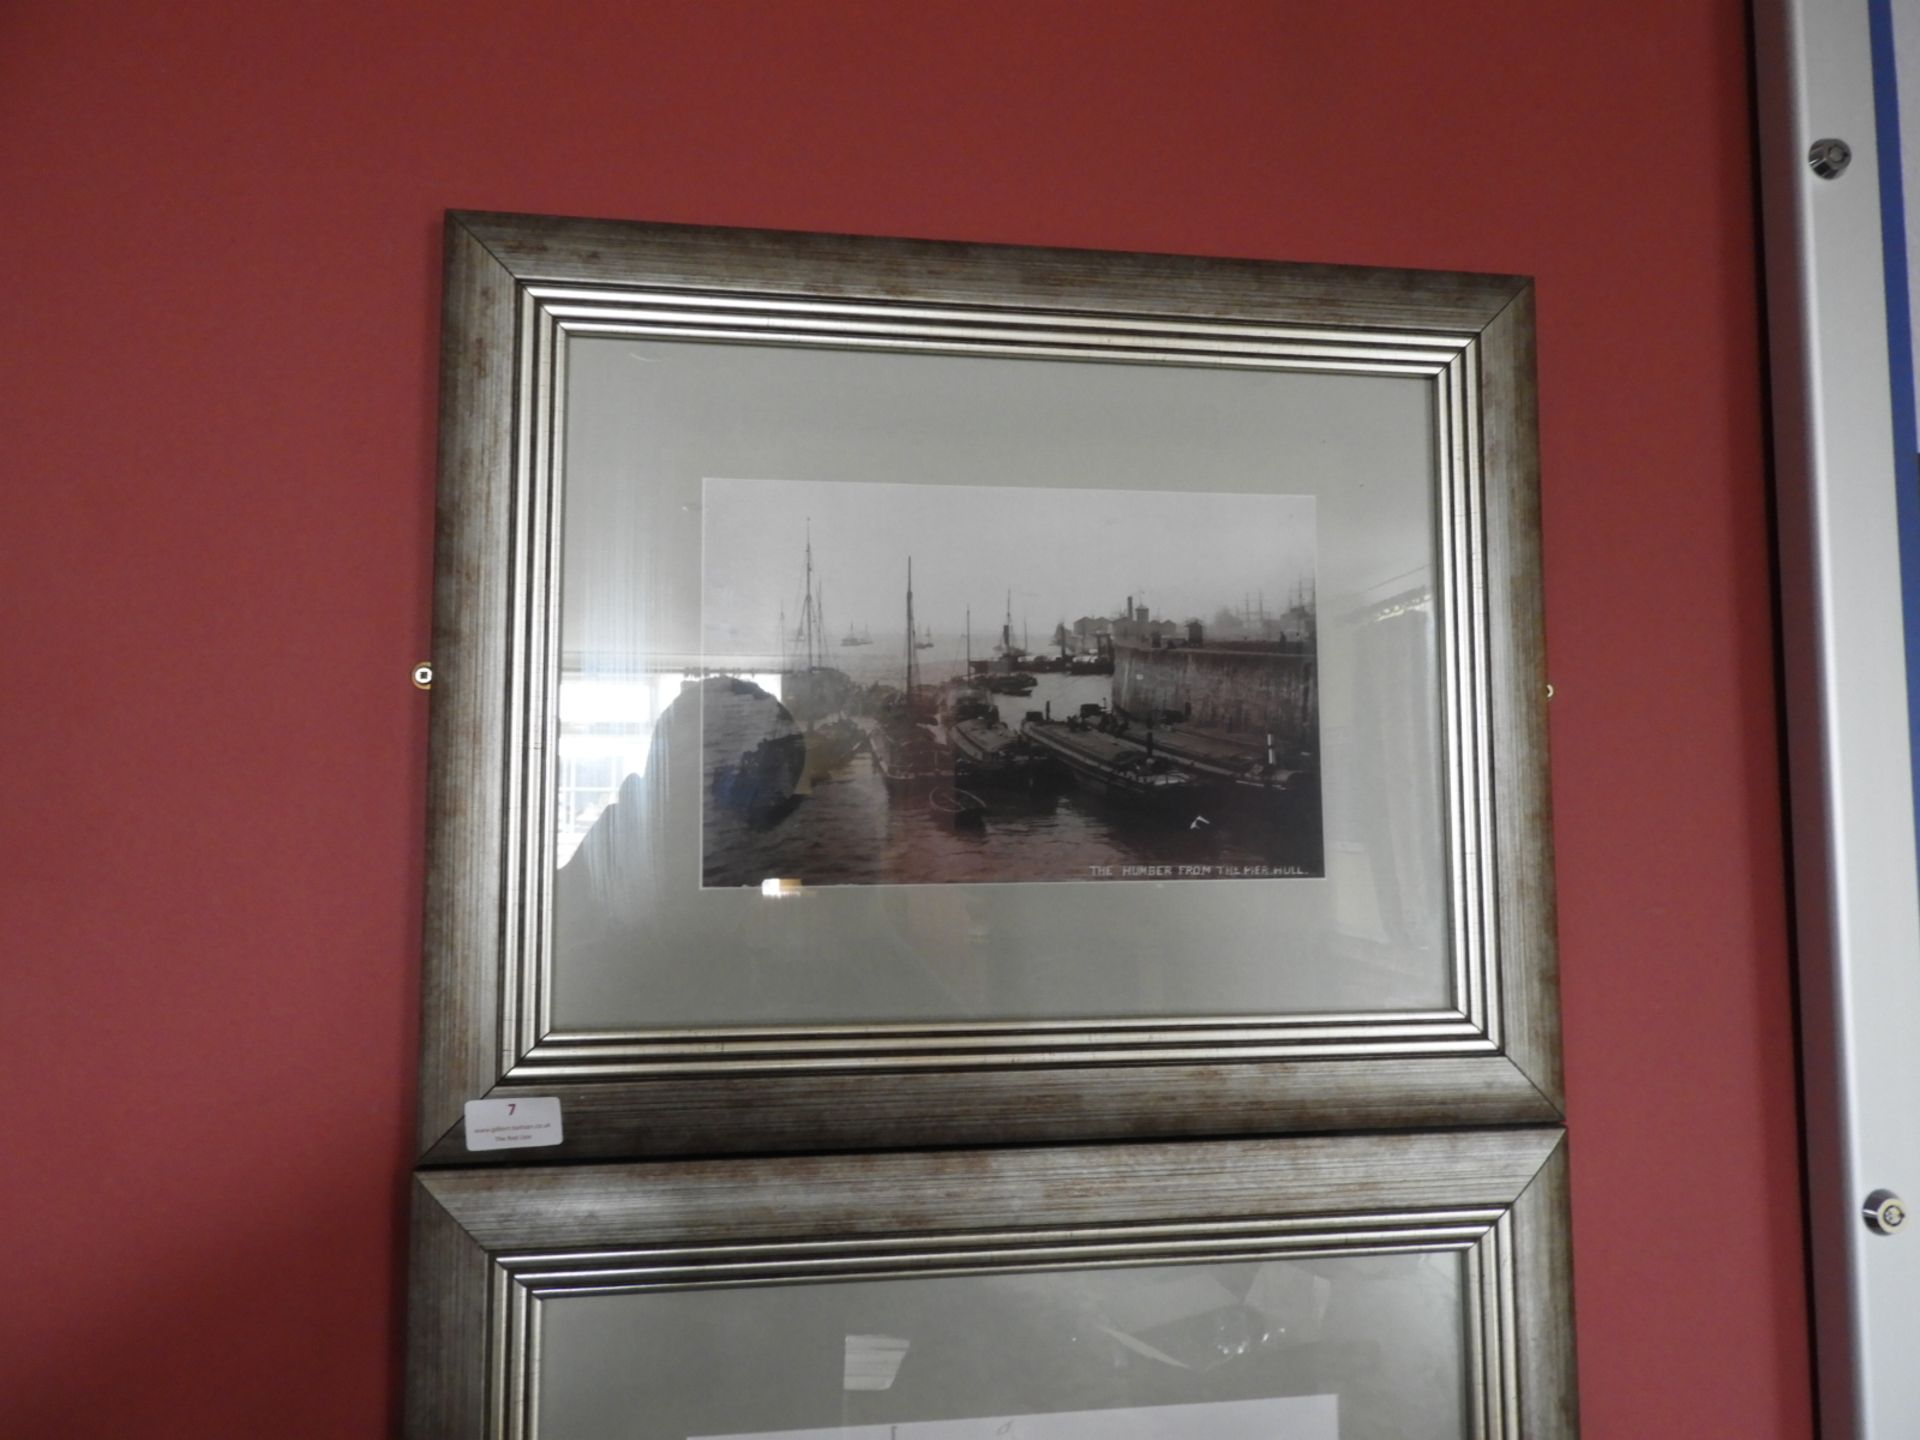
<point x="926" y="688"/>
<point x="1343" y="1348"/>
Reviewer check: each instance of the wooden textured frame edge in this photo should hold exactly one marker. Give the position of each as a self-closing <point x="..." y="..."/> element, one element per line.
<point x="1523" y="812"/>
<point x="486" y="390"/>
<point x="461" y="930"/>
<point x="486" y="1238"/>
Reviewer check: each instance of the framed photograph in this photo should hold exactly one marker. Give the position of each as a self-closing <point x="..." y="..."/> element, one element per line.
<point x="893" y="693"/>
<point x="1318" y="1288"/>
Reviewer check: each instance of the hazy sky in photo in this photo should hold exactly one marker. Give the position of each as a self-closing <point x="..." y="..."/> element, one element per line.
<point x="1062" y="553"/>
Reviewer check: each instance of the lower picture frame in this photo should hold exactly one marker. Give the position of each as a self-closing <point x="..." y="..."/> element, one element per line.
<point x="1291" y="1289"/>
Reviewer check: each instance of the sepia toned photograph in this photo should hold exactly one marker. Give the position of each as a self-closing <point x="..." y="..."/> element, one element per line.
<point x="918" y="683"/>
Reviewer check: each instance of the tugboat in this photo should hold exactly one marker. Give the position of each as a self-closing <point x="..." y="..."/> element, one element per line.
<point x="1007" y="676"/>
<point x="965" y="699"/>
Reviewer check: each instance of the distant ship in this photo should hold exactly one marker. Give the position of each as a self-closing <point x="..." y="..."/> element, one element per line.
<point x="1006" y="676"/>
<point x="863" y="638"/>
<point x="925" y="642"/>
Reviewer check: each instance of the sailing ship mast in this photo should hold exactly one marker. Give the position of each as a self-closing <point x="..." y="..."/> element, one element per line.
<point x="913" y="664"/>
<point x="806" y="605"/>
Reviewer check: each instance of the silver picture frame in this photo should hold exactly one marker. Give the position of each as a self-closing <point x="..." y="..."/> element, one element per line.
<point x="495" y="1251"/>
<point x="521" y="291"/>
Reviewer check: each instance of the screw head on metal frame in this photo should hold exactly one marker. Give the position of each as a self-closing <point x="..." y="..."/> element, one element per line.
<point x="1830" y="158"/>
<point x="423" y="675"/>
<point x="1884" y="1212"/>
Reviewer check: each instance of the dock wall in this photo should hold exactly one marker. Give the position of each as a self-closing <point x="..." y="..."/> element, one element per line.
<point x="1237" y="690"/>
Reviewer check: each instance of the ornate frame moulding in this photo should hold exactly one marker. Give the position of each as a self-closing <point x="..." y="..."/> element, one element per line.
<point x="494" y="1248"/>
<point x="522" y="291"/>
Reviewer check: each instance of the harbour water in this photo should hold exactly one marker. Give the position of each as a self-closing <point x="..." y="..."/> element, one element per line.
<point x="848" y="828"/>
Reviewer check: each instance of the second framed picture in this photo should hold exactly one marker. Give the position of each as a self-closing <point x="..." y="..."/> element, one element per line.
<point x="894" y="693"/>
<point x="1370" y="1287"/>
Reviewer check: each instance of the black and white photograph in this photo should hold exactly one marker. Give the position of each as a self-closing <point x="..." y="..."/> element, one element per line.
<point x="926" y="683"/>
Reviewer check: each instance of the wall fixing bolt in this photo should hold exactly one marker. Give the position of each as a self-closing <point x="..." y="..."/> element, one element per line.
<point x="1830" y="158"/>
<point x="423" y="675"/>
<point x="1884" y="1212"/>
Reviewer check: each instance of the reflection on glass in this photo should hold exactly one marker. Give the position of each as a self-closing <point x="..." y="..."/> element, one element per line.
<point x="606" y="731"/>
<point x="1359" y="1348"/>
<point x="891" y="637"/>
<point x="1292" y="1417"/>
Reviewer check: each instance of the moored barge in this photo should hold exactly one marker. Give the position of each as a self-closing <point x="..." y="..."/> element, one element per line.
<point x="1117" y="767"/>
<point x="986" y="749"/>
<point x="1243" y="771"/>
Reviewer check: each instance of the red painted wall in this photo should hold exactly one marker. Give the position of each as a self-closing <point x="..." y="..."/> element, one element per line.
<point x="218" y="348"/>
